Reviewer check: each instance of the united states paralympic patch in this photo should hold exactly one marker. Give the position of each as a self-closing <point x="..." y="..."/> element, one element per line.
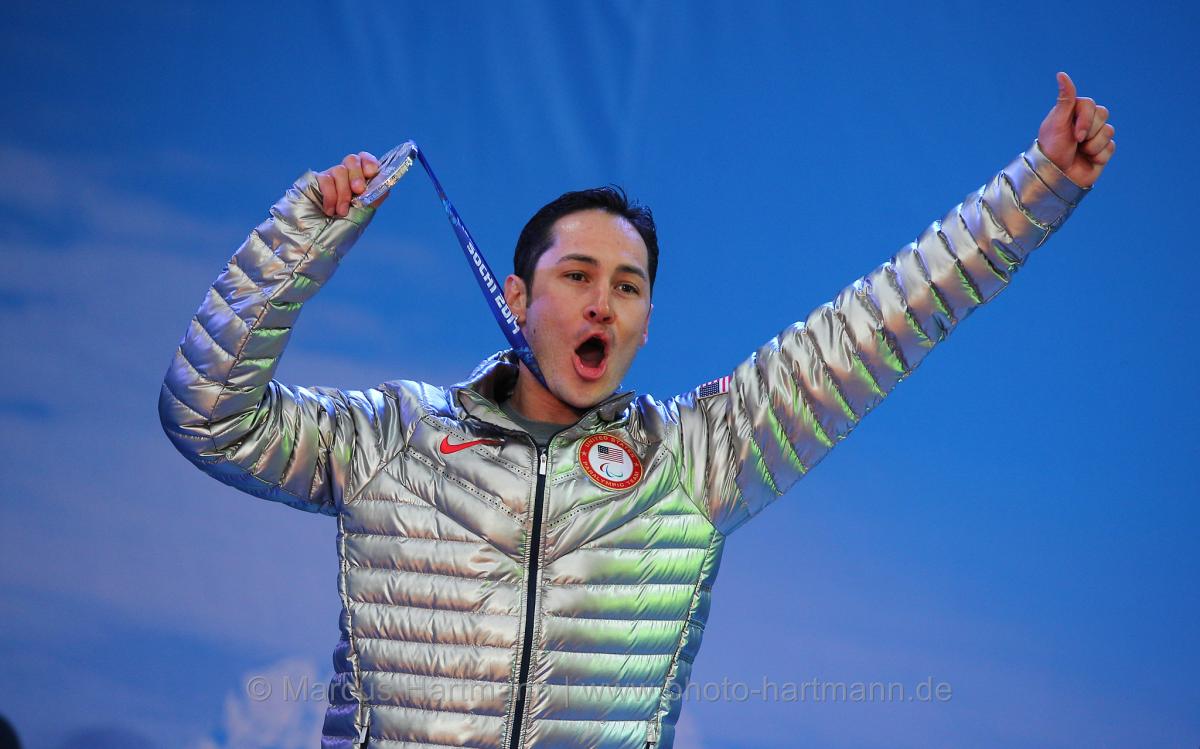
<point x="715" y="387"/>
<point x="609" y="462"/>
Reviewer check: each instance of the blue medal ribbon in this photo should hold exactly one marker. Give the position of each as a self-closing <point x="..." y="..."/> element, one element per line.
<point x="393" y="166"/>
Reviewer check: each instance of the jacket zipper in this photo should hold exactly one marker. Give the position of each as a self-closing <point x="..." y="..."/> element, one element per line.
<point x="652" y="736"/>
<point x="535" y="544"/>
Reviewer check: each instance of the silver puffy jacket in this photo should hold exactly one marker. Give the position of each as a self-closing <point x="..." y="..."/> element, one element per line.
<point x="471" y="563"/>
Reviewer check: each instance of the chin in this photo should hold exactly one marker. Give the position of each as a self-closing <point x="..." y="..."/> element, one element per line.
<point x="582" y="400"/>
<point x="582" y="396"/>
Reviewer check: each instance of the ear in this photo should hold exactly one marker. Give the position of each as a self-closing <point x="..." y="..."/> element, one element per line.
<point x="646" y="331"/>
<point x="516" y="296"/>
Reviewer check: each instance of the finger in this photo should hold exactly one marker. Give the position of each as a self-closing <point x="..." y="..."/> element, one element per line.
<point x="1098" y="120"/>
<point x="341" y="177"/>
<point x="370" y="164"/>
<point x="1103" y="157"/>
<point x="357" y="183"/>
<point x="328" y="193"/>
<point x="1085" y="110"/>
<point x="1066" y="93"/>
<point x="1094" y="145"/>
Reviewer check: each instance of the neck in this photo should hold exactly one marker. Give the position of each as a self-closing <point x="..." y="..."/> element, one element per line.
<point x="536" y="403"/>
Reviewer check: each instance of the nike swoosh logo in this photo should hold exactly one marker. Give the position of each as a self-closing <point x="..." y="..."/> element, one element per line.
<point x="447" y="447"/>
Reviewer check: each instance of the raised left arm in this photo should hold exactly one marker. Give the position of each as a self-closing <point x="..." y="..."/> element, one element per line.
<point x="749" y="437"/>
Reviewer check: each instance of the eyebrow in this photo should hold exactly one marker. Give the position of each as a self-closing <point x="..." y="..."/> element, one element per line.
<point x="589" y="260"/>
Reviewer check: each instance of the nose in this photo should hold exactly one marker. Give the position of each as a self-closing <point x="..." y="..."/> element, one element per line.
<point x="599" y="311"/>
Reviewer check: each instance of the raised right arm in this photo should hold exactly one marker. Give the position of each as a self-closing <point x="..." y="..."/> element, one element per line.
<point x="219" y="403"/>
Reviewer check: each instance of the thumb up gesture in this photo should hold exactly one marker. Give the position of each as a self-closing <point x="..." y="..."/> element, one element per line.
<point x="1076" y="135"/>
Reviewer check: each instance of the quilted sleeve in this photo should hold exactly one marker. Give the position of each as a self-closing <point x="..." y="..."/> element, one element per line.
<point x="218" y="403"/>
<point x="750" y="436"/>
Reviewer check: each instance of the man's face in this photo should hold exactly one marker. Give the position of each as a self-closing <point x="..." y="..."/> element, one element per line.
<point x="590" y="308"/>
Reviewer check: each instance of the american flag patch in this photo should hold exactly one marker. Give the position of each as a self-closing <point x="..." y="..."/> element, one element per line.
<point x="716" y="387"/>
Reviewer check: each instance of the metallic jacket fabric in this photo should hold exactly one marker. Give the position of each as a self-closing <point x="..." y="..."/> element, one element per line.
<point x="444" y="506"/>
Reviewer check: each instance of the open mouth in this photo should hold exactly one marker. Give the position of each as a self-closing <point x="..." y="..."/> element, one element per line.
<point x="591" y="358"/>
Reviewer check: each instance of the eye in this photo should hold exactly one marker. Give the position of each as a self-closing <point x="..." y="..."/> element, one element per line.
<point x="629" y="288"/>
<point x="576" y="275"/>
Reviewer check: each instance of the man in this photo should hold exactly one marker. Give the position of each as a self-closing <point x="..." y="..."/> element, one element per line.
<point x="529" y="566"/>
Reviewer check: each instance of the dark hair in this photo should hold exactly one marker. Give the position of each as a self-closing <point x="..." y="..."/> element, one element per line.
<point x="537" y="236"/>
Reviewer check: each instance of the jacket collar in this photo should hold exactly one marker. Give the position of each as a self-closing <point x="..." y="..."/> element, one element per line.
<point x="496" y="377"/>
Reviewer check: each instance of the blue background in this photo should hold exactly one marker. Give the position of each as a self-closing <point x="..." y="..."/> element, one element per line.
<point x="1015" y="521"/>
